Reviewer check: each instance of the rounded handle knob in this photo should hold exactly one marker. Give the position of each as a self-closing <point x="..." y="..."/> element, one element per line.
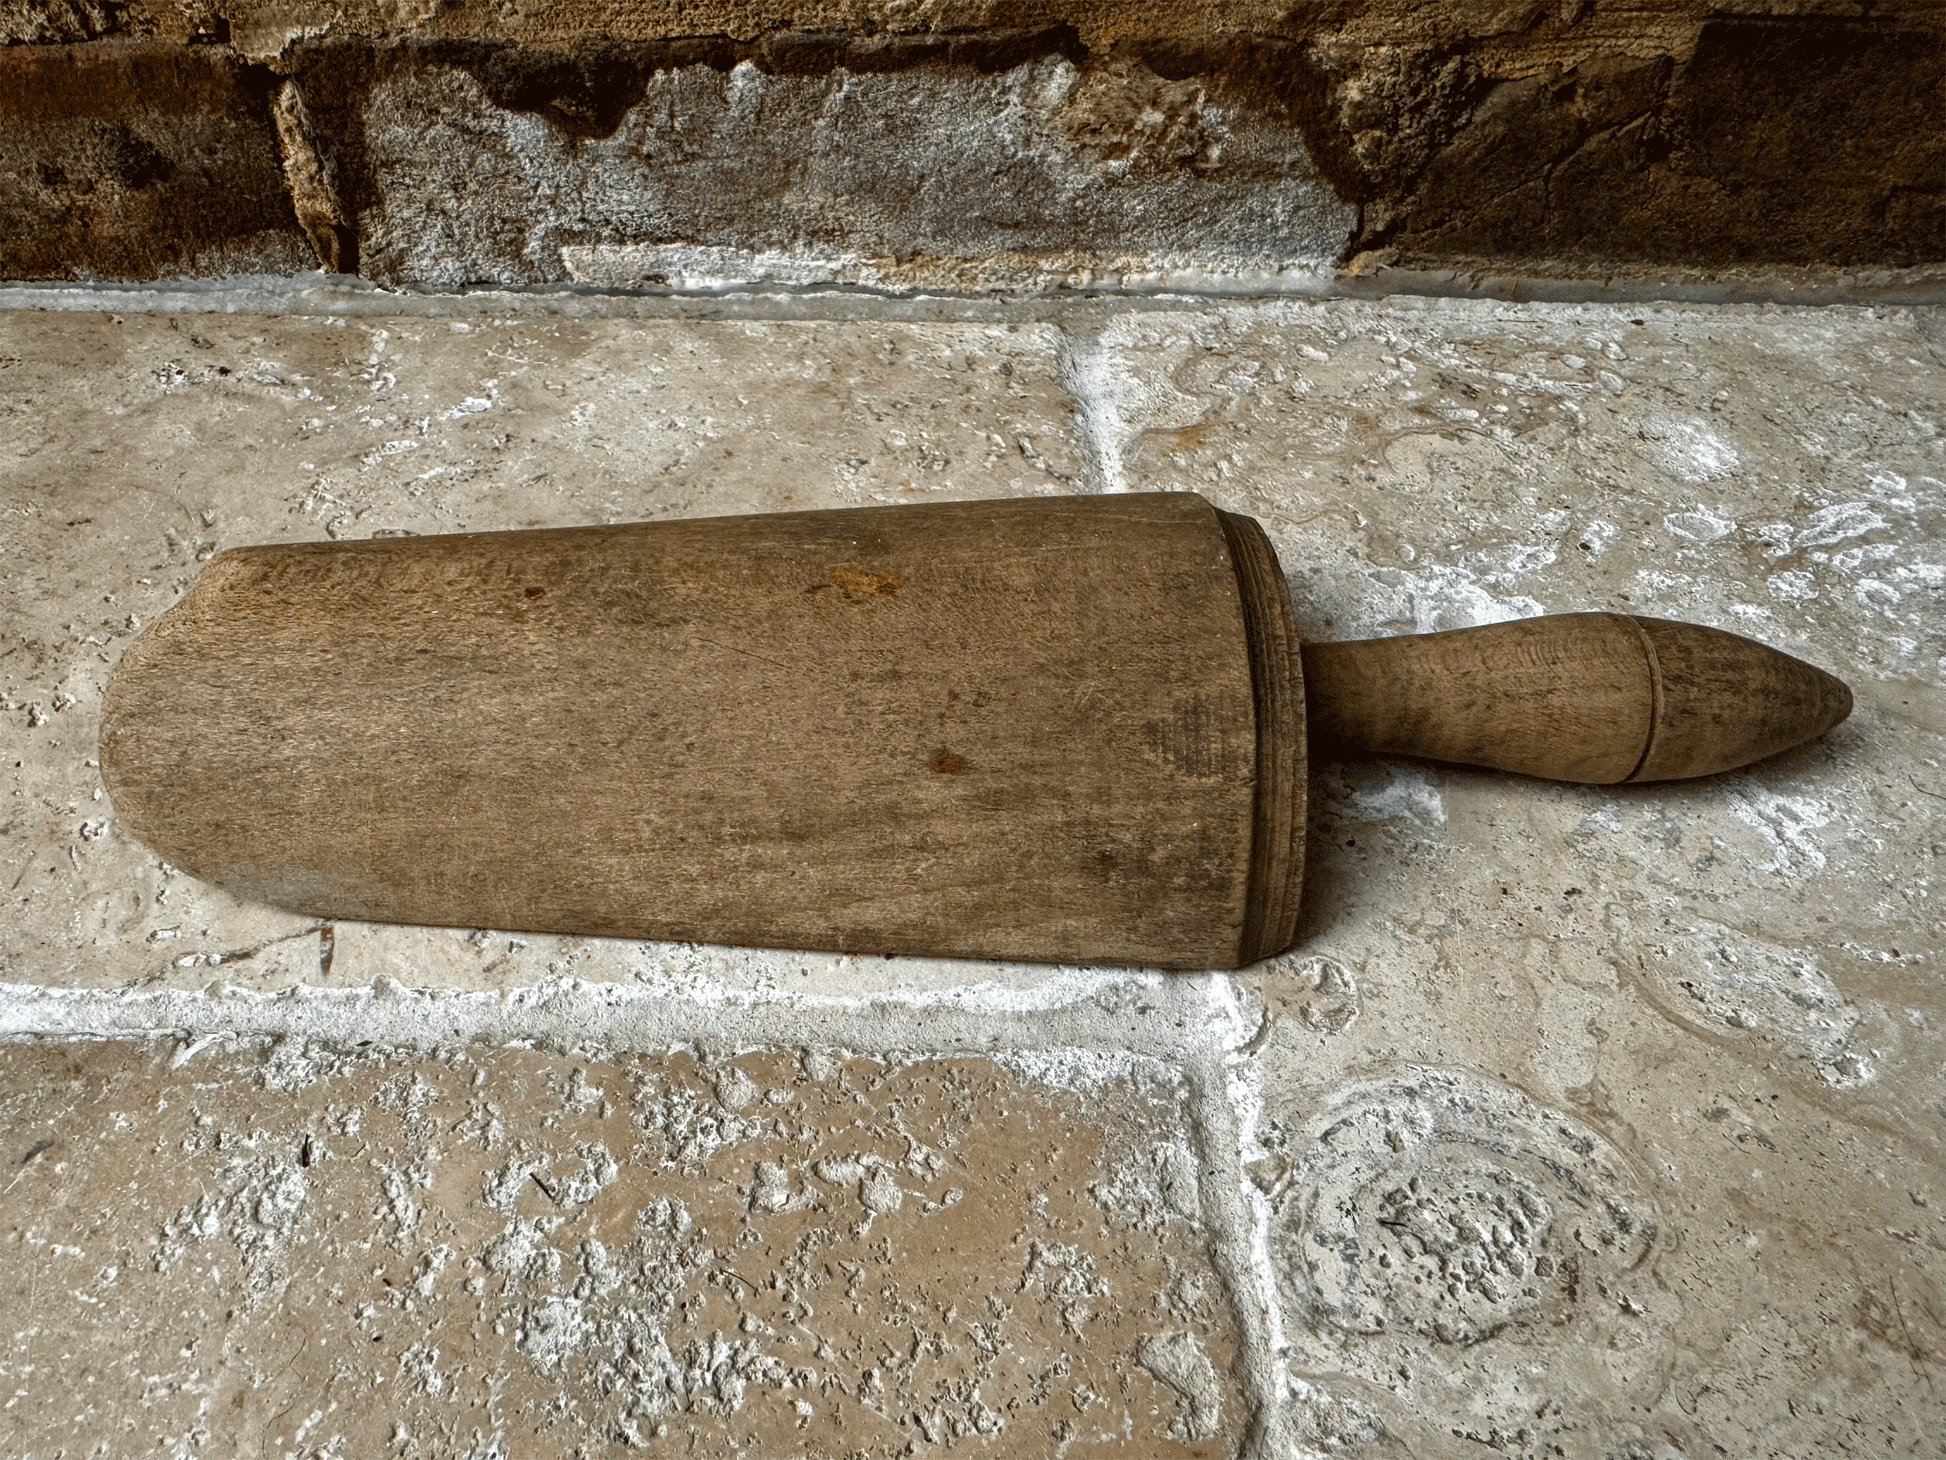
<point x="1592" y="697"/>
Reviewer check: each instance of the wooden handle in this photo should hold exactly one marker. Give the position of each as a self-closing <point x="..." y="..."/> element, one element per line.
<point x="1592" y="697"/>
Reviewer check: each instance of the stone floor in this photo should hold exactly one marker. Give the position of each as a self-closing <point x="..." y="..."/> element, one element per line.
<point x="1588" y="1122"/>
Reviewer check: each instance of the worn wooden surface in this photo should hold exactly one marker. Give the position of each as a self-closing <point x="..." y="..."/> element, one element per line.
<point x="1022" y="729"/>
<point x="1591" y="697"/>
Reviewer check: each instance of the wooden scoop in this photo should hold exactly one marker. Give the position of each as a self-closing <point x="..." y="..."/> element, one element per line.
<point x="1066" y="730"/>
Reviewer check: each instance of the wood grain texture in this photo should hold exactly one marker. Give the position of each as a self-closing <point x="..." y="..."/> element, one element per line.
<point x="1592" y="697"/>
<point x="1019" y="729"/>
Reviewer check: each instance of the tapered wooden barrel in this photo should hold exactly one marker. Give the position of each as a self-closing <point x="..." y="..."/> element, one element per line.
<point x="1064" y="730"/>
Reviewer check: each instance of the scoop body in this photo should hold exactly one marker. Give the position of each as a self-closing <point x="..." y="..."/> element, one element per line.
<point x="1053" y="729"/>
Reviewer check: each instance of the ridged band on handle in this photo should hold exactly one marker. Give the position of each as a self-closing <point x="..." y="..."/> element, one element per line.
<point x="1277" y="676"/>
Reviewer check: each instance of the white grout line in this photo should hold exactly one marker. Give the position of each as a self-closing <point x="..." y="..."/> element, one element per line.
<point x="1087" y="369"/>
<point x="1224" y="1111"/>
<point x="1152" y="1016"/>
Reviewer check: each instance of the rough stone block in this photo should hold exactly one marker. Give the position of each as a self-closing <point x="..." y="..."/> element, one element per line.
<point x="1767" y="141"/>
<point x="1030" y="145"/>
<point x="366" y="1251"/>
<point x="55" y="22"/>
<point x="1629" y="1266"/>
<point x="888" y="165"/>
<point x="1031" y="158"/>
<point x="138" y="162"/>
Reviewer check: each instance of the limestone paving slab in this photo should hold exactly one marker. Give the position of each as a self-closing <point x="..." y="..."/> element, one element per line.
<point x="275" y="1249"/>
<point x="1599" y="1120"/>
<point x="137" y="446"/>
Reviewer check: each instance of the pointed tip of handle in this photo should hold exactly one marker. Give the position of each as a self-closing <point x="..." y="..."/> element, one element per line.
<point x="1724" y="701"/>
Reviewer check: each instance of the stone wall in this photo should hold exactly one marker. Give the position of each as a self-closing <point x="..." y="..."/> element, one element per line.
<point x="1031" y="144"/>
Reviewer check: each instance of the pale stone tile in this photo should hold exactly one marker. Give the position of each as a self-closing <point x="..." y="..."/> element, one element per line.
<point x="137" y="446"/>
<point x="364" y="1251"/>
<point x="1598" y="1121"/>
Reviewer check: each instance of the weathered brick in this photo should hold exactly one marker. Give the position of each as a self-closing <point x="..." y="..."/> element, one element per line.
<point x="803" y="159"/>
<point x="1788" y="141"/>
<point x="133" y="161"/>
